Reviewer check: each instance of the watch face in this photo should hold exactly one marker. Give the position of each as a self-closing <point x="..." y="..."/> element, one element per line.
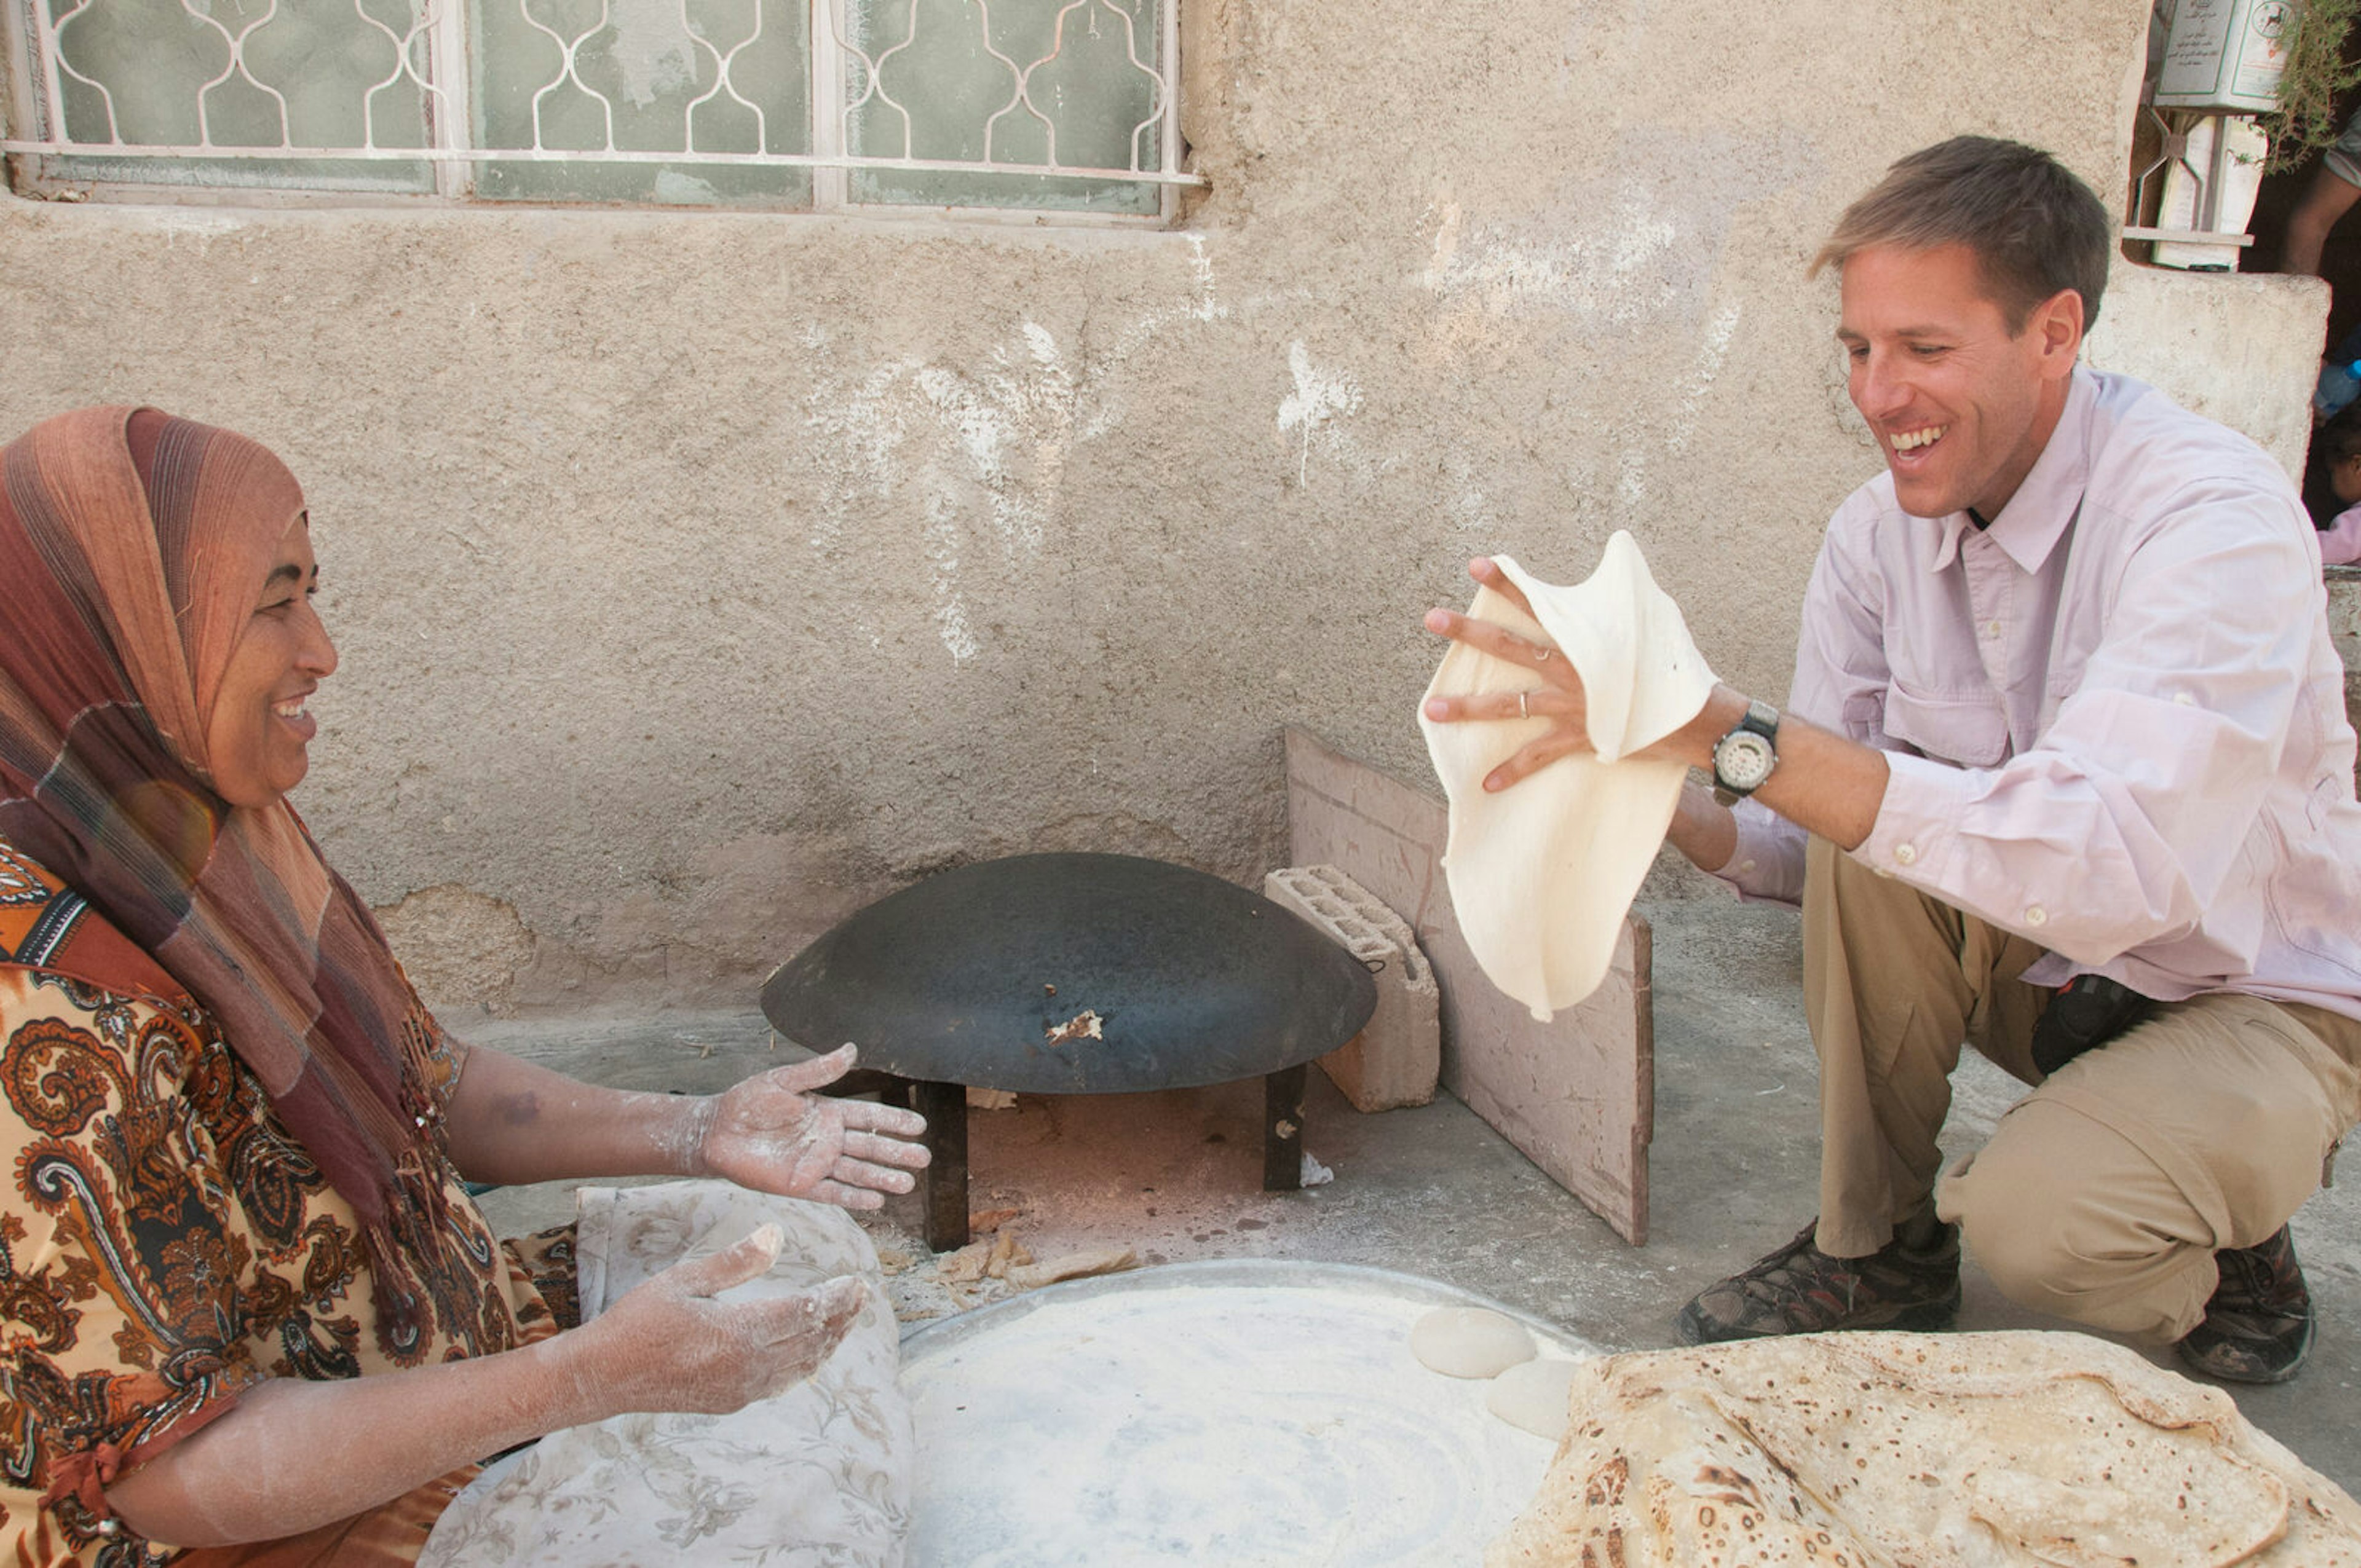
<point x="1743" y="760"/>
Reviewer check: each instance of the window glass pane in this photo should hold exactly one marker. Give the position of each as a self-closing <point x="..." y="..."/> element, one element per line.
<point x="244" y="73"/>
<point x="646" y="76"/>
<point x="1010" y="80"/>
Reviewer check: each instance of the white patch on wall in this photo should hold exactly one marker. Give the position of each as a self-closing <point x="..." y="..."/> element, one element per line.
<point x="973" y="449"/>
<point x="1470" y="509"/>
<point x="1718" y="331"/>
<point x="1633" y="456"/>
<point x="1630" y="480"/>
<point x="1202" y="307"/>
<point x="1634" y="248"/>
<point x="174" y="221"/>
<point x="1320" y="398"/>
<point x="942" y="554"/>
<point x="1617" y="269"/>
<point x="1005" y="430"/>
<point x="863" y="431"/>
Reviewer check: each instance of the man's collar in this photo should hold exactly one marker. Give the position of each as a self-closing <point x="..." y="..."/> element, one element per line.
<point x="2029" y="527"/>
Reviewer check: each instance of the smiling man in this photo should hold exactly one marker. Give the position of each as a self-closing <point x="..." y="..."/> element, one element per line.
<point x="2065" y="774"/>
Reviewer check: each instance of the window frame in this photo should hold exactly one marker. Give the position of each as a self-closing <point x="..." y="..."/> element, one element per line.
<point x="34" y="141"/>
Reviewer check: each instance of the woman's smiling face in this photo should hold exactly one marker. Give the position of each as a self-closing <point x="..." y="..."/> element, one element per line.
<point x="256" y="735"/>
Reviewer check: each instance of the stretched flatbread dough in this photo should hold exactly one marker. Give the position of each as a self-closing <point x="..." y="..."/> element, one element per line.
<point x="1933" y="1451"/>
<point x="1542" y="875"/>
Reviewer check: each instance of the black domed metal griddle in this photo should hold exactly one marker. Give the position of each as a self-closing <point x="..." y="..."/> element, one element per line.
<point x="1072" y="974"/>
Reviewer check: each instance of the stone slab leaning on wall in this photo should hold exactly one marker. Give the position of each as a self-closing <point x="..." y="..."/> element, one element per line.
<point x="1576" y="1095"/>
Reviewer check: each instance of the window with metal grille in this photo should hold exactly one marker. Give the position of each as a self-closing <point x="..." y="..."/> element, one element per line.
<point x="1063" y="106"/>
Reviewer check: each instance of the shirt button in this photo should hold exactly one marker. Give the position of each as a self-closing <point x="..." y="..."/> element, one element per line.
<point x="2037" y="915"/>
<point x="1905" y="854"/>
<point x="1745" y="866"/>
<point x="1992" y="628"/>
<point x="2184" y="700"/>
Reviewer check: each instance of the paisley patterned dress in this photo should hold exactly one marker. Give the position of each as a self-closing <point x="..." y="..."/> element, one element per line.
<point x="165" y="1244"/>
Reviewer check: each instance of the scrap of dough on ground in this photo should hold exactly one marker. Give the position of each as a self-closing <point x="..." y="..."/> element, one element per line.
<point x="1469" y="1341"/>
<point x="1936" y="1451"/>
<point x="1542" y="873"/>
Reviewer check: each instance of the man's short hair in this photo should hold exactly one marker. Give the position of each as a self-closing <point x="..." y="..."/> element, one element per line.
<point x="2035" y="228"/>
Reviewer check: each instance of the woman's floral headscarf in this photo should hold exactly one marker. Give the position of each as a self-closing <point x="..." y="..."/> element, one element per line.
<point x="133" y="547"/>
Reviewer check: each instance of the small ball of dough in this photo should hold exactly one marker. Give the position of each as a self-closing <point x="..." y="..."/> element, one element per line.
<point x="1469" y="1341"/>
<point x="1534" y="1396"/>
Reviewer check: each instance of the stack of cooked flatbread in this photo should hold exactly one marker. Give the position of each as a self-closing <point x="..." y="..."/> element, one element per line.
<point x="1869" y="1450"/>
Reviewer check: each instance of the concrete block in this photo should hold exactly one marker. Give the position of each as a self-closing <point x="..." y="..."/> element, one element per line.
<point x="1576" y="1095"/>
<point x="1394" y="1060"/>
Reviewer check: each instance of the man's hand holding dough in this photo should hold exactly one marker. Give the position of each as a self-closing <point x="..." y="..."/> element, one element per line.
<point x="1559" y="700"/>
<point x="1823" y="783"/>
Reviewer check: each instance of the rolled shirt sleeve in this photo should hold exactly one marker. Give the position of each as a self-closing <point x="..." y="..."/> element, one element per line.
<point x="1767" y="867"/>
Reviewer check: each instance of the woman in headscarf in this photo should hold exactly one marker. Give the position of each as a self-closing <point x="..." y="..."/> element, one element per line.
<point x="244" y="1297"/>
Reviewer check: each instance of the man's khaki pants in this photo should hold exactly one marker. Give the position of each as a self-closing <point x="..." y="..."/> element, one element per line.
<point x="2102" y="1194"/>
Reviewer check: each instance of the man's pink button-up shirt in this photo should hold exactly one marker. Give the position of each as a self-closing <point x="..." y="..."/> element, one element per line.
<point x="2114" y="719"/>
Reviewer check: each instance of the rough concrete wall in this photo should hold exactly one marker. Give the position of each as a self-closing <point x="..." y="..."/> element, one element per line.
<point x="700" y="577"/>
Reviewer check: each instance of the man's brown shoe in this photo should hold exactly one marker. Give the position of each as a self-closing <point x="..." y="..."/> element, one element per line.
<point x="1799" y="1289"/>
<point x="2257" y="1326"/>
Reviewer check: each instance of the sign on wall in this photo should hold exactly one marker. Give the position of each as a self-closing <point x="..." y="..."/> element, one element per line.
<point x="2225" y="54"/>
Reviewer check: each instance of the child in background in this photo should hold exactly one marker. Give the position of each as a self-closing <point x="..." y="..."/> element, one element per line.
<point x="2336" y="463"/>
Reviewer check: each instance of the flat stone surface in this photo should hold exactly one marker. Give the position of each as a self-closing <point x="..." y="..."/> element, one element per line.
<point x="1434" y="1192"/>
<point x="1577" y="1095"/>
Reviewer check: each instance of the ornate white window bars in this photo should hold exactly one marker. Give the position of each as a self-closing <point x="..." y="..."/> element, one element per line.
<point x="1062" y="106"/>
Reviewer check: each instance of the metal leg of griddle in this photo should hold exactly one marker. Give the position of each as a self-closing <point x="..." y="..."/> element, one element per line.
<point x="1282" y="1128"/>
<point x="944" y="1105"/>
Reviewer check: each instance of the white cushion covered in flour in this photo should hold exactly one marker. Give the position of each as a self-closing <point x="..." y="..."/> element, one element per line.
<point x="819" y="1475"/>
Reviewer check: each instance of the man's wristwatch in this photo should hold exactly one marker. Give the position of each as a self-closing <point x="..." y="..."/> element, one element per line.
<point x="1743" y="759"/>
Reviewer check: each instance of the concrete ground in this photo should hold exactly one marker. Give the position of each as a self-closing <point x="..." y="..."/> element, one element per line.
<point x="1434" y="1192"/>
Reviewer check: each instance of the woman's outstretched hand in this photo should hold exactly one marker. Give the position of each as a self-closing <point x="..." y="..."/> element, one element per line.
<point x="772" y="1133"/>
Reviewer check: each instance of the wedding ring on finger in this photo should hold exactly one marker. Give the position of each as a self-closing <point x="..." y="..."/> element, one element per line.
<point x="1524" y="709"/>
<point x="1542" y="657"/>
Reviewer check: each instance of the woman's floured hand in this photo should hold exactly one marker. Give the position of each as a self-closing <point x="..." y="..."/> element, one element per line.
<point x="772" y="1133"/>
